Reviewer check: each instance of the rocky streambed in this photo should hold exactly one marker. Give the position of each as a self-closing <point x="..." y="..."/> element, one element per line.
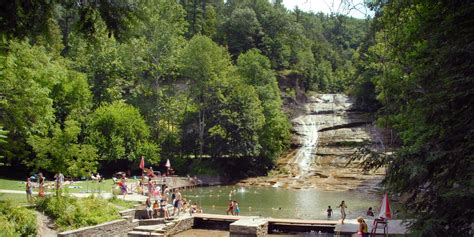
<point x="324" y="138"/>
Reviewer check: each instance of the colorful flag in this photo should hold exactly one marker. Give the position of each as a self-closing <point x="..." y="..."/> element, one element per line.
<point x="385" y="211"/>
<point x="142" y="163"/>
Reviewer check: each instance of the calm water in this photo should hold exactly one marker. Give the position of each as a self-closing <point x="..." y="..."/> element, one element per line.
<point x="281" y="203"/>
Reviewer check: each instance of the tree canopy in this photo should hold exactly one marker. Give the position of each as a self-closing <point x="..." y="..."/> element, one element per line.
<point x="418" y="64"/>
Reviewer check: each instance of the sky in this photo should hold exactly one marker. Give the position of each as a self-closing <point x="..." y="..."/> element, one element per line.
<point x="354" y="8"/>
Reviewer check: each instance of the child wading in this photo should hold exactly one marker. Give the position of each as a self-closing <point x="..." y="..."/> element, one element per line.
<point x="236" y="208"/>
<point x="230" y="208"/>
<point x="329" y="210"/>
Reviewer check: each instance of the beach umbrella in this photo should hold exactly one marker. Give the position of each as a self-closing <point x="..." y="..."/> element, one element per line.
<point x="385" y="211"/>
<point x="168" y="163"/>
<point x="142" y="163"/>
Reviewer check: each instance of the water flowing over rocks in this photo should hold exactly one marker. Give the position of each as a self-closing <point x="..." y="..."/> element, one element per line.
<point x="324" y="138"/>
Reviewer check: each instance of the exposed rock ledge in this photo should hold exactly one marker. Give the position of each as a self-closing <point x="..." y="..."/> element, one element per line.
<point x="339" y="131"/>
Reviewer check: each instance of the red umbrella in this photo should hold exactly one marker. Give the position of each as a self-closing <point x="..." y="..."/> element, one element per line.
<point x="142" y="163"/>
<point x="385" y="211"/>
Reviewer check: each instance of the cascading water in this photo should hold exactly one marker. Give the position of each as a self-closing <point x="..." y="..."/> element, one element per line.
<point x="307" y="128"/>
<point x="327" y="134"/>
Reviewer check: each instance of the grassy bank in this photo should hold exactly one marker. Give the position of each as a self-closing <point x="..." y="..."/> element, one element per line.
<point x="72" y="213"/>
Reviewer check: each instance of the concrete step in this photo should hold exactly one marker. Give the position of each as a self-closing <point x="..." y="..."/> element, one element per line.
<point x="155" y="221"/>
<point x="143" y="233"/>
<point x="149" y="228"/>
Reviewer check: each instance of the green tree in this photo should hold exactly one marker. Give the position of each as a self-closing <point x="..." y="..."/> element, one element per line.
<point x="62" y="152"/>
<point x="205" y="64"/>
<point x="118" y="131"/>
<point x="235" y="120"/>
<point x="28" y="76"/>
<point x="30" y="18"/>
<point x="255" y="69"/>
<point x="426" y="90"/>
<point x="243" y="31"/>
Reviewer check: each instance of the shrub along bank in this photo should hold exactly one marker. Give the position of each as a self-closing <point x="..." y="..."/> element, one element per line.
<point x="72" y="213"/>
<point x="16" y="221"/>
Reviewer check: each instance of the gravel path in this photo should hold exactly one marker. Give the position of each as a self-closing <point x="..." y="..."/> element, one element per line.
<point x="43" y="222"/>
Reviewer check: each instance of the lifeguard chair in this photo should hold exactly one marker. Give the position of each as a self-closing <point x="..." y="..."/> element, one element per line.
<point x="381" y="222"/>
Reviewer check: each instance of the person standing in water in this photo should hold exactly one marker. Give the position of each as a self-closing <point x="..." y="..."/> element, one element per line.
<point x="236" y="208"/>
<point x="329" y="210"/>
<point x="230" y="208"/>
<point x="370" y="212"/>
<point x="343" y="211"/>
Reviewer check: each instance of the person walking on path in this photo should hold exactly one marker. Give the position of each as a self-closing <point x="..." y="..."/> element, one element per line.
<point x="343" y="211"/>
<point x="123" y="186"/>
<point x="29" y="191"/>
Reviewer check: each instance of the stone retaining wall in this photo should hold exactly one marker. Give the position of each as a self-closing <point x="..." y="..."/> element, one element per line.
<point x="181" y="225"/>
<point x="111" y="228"/>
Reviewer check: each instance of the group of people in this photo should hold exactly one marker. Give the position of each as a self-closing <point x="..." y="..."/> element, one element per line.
<point x="161" y="207"/>
<point x="343" y="207"/>
<point x="233" y="208"/>
<point x="58" y="183"/>
<point x="362" y="229"/>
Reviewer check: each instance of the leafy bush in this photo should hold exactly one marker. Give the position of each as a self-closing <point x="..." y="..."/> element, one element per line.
<point x="16" y="221"/>
<point x="71" y="213"/>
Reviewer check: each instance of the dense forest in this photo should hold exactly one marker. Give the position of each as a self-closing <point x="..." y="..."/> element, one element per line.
<point x="88" y="85"/>
<point x="416" y="70"/>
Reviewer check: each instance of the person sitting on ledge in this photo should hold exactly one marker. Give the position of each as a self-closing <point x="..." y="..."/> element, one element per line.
<point x="148" y="208"/>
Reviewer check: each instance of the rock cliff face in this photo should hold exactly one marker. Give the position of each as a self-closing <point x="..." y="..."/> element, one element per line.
<point x="324" y="138"/>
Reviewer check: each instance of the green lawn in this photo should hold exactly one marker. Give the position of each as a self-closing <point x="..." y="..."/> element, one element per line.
<point x="12" y="184"/>
<point x="16" y="199"/>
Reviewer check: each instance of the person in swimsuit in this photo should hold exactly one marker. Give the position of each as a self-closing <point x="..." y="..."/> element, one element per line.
<point x="149" y="210"/>
<point x="370" y="212"/>
<point x="329" y="210"/>
<point x="362" y="229"/>
<point x="230" y="209"/>
<point x="236" y="208"/>
<point x="343" y="211"/>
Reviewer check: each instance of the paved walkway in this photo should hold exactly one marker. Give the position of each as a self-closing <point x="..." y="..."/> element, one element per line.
<point x="128" y="197"/>
<point x="172" y="182"/>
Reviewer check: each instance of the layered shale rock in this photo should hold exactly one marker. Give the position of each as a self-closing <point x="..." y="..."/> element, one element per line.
<point x="324" y="138"/>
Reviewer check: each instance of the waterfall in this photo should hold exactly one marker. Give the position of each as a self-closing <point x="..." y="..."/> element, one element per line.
<point x="308" y="130"/>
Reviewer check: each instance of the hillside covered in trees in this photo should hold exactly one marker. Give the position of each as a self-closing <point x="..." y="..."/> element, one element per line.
<point x="89" y="84"/>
